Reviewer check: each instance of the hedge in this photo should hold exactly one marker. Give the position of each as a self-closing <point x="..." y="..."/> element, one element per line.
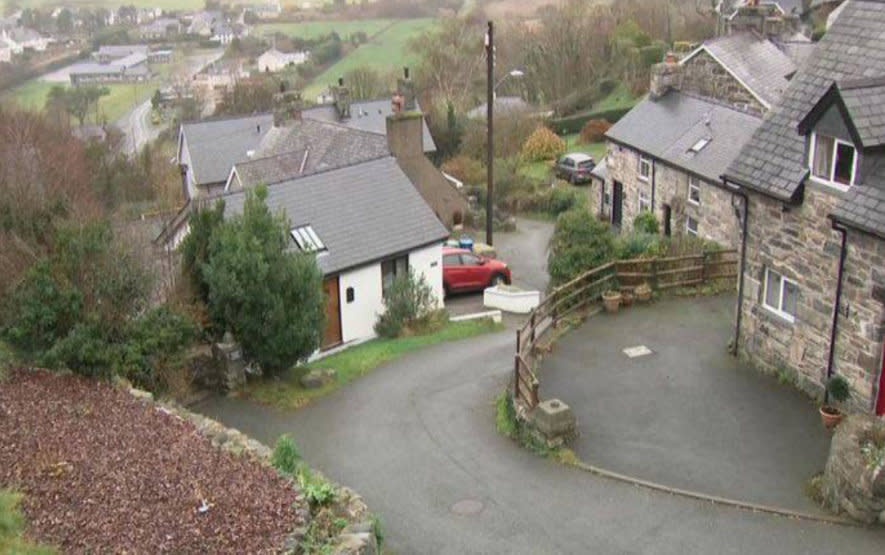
<point x="573" y="124"/>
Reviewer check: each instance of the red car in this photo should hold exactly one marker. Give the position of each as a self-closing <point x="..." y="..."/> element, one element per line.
<point x="466" y="271"/>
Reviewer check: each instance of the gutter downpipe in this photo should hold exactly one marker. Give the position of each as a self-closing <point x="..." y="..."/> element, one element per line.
<point x="837" y="307"/>
<point x="654" y="176"/>
<point x="743" y="265"/>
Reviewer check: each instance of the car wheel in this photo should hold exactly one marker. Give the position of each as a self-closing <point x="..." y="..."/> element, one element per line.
<point x="498" y="279"/>
<point x="572" y="180"/>
<point x="446" y="291"/>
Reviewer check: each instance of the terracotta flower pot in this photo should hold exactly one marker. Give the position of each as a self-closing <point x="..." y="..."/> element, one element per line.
<point x="830" y="416"/>
<point x="643" y="293"/>
<point x="611" y="300"/>
<point x="626" y="298"/>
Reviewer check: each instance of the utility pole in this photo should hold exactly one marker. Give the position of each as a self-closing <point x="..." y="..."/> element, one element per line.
<point x="490" y="163"/>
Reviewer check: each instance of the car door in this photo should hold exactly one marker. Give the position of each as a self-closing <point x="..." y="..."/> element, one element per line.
<point x="475" y="271"/>
<point x="454" y="273"/>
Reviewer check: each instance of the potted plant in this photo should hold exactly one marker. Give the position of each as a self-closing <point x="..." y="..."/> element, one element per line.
<point x="626" y="297"/>
<point x="611" y="299"/>
<point x="837" y="390"/>
<point x="643" y="292"/>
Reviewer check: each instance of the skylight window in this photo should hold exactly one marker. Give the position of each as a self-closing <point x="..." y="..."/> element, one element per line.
<point x="307" y="239"/>
<point x="700" y="145"/>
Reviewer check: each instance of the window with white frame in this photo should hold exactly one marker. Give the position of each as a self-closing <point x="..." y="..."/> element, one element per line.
<point x="307" y="239"/>
<point x="781" y="295"/>
<point x="691" y="226"/>
<point x="644" y="168"/>
<point x="694" y="191"/>
<point x="644" y="201"/>
<point x="832" y="160"/>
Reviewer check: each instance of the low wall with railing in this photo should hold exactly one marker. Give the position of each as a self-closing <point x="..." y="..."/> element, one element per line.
<point x="660" y="274"/>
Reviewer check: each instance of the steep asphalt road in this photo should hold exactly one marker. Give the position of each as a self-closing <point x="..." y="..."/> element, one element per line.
<point x="136" y="124"/>
<point x="417" y="439"/>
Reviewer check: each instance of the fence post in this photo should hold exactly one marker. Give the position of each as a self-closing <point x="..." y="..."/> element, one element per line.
<point x="654" y="274"/>
<point x="518" y="341"/>
<point x="704" y="269"/>
<point x="516" y="377"/>
<point x="532" y="335"/>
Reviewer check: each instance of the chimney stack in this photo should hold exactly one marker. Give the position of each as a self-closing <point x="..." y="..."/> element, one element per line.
<point x="405" y="89"/>
<point x="665" y="76"/>
<point x="287" y="108"/>
<point x="341" y="98"/>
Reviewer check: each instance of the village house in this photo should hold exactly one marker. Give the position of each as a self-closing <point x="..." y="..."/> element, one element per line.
<point x="19" y="39"/>
<point x="667" y="155"/>
<point x="116" y="65"/>
<point x="812" y="180"/>
<point x="273" y="60"/>
<point x="162" y="28"/>
<point x="209" y="150"/>
<point x="354" y="197"/>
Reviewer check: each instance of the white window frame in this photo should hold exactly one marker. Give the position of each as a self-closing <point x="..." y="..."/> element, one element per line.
<point x="831" y="182"/>
<point x="778" y="310"/>
<point x="644" y="161"/>
<point x="643" y="200"/>
<point x="694" y="184"/>
<point x="688" y="228"/>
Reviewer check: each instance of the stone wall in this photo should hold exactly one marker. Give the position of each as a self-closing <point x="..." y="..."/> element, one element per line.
<point x="704" y="76"/>
<point x="715" y="215"/>
<point x="850" y="484"/>
<point x="798" y="243"/>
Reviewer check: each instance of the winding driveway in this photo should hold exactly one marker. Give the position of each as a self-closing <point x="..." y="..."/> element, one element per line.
<point x="417" y="439"/>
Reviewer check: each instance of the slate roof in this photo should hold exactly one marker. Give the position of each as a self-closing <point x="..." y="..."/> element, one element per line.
<point x="669" y="127"/>
<point x="308" y="146"/>
<point x="216" y="145"/>
<point x="362" y="213"/>
<point x="366" y="115"/>
<point x="773" y="162"/>
<point x="863" y="207"/>
<point x="754" y="61"/>
<point x="865" y="100"/>
<point x="789" y="7"/>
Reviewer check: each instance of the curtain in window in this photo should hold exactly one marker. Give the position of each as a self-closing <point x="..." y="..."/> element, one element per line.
<point x="823" y="157"/>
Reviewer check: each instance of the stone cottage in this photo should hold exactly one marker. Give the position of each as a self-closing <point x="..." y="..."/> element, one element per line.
<point x="811" y="179"/>
<point x="667" y="155"/>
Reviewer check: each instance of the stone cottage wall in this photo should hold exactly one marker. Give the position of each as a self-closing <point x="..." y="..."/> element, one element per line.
<point x="798" y="242"/>
<point x="704" y="76"/>
<point x="862" y="321"/>
<point x="715" y="215"/>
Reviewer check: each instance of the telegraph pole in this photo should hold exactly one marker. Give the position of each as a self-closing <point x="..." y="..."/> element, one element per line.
<point x="490" y="163"/>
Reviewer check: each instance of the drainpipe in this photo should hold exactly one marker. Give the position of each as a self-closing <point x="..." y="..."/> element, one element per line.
<point x="743" y="265"/>
<point x="654" y="173"/>
<point x="836" y="308"/>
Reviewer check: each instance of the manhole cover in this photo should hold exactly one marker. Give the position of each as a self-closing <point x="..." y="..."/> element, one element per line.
<point x="467" y="507"/>
<point x="638" y="351"/>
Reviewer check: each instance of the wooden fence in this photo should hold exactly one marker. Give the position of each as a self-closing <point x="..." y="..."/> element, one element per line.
<point x="625" y="275"/>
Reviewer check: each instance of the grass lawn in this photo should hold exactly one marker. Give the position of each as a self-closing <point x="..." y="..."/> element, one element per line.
<point x="286" y="392"/>
<point x="618" y="98"/>
<point x="12" y="526"/>
<point x="313" y="29"/>
<point x="386" y="52"/>
<point x="541" y="170"/>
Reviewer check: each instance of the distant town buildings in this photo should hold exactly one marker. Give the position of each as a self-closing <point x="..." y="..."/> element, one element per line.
<point x="274" y="60"/>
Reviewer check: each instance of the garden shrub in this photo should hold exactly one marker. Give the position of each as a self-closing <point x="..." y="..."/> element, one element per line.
<point x="580" y="242"/>
<point x="270" y="297"/>
<point x="646" y="222"/>
<point x="542" y="144"/>
<point x="594" y="131"/>
<point x="638" y="244"/>
<point x="469" y="170"/>
<point x="409" y="299"/>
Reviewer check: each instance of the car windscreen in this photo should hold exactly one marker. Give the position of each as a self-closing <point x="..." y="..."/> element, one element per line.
<point x="586" y="164"/>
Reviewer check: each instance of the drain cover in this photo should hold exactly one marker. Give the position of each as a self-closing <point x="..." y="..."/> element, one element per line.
<point x="638" y="351"/>
<point x="467" y="507"/>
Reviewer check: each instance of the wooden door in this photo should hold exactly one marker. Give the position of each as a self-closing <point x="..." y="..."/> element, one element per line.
<point x="332" y="335"/>
<point x="668" y="216"/>
<point x="880" y="404"/>
<point x="617" y="203"/>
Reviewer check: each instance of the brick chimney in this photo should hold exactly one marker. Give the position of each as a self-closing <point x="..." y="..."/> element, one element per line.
<point x="341" y="99"/>
<point x="665" y="76"/>
<point x="405" y="134"/>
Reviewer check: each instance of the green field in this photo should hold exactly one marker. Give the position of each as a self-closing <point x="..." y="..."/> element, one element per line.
<point x="313" y="29"/>
<point x="386" y="52"/>
<point x="32" y="94"/>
